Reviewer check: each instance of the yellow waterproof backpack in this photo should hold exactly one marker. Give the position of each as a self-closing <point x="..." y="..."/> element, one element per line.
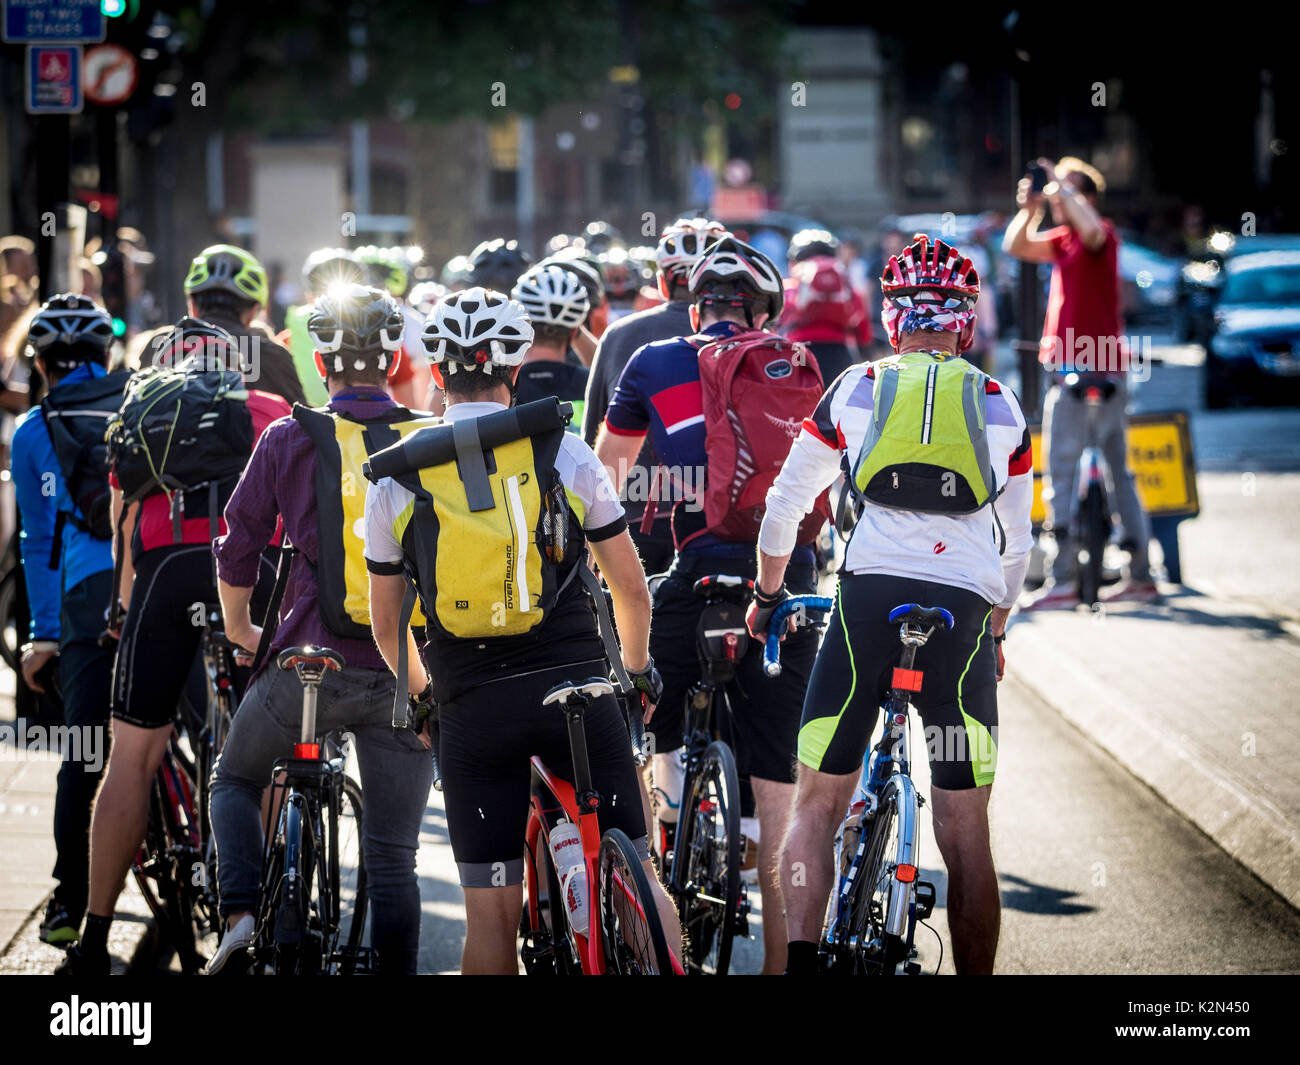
<point x="343" y="445"/>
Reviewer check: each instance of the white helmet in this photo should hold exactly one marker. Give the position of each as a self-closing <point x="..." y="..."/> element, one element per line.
<point x="425" y="296"/>
<point x="552" y="295"/>
<point x="682" y="244"/>
<point x="477" y="329"/>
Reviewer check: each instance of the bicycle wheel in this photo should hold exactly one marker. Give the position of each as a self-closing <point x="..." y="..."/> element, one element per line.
<point x="872" y="949"/>
<point x="11" y="638"/>
<point x="1094" y="522"/>
<point x="632" y="934"/>
<point x="349" y="904"/>
<point x="707" y="860"/>
<point x="552" y="937"/>
<point x="290" y="928"/>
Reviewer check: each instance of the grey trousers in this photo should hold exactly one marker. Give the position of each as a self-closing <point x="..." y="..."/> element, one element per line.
<point x="1065" y="435"/>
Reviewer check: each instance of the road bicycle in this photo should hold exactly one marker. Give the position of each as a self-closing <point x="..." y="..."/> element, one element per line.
<point x="622" y="933"/>
<point x="873" y="913"/>
<point x="313" y="902"/>
<point x="1090" y="510"/>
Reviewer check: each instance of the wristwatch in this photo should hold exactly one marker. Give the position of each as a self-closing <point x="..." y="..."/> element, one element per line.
<point x="999" y="639"/>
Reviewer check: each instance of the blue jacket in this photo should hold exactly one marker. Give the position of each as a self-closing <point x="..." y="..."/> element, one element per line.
<point x="41" y="494"/>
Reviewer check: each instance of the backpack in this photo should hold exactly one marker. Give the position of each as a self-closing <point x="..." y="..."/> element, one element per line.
<point x="758" y="388"/>
<point x="343" y="444"/>
<point x="926" y="448"/>
<point x="77" y="417"/>
<point x="487" y="540"/>
<point x="180" y="428"/>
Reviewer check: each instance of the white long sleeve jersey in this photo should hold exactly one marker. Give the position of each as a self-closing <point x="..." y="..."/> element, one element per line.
<point x="959" y="550"/>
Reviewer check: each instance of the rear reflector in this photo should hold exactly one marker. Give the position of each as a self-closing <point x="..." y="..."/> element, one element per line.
<point x="306" y="750"/>
<point x="905" y="873"/>
<point x="907" y="679"/>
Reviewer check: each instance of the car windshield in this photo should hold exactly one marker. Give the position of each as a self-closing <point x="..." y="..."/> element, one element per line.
<point x="1275" y="284"/>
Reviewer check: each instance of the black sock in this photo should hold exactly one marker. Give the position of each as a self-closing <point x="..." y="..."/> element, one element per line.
<point x="800" y="958"/>
<point x="94" y="940"/>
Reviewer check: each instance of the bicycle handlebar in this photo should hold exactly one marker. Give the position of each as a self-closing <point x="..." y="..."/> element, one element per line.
<point x="795" y="604"/>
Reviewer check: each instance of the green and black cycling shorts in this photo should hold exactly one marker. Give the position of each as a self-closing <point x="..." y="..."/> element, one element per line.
<point x="957" y="702"/>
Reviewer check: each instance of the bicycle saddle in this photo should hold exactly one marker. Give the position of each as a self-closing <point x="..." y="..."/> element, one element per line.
<point x="310" y="657"/>
<point x="592" y="688"/>
<point x="721" y="586"/>
<point x="934" y="616"/>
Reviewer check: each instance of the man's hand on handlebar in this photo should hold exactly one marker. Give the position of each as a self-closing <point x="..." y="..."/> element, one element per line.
<point x="651" y="686"/>
<point x="761" y="609"/>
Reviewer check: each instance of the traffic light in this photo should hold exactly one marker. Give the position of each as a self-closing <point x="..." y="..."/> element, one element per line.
<point x="119" y="8"/>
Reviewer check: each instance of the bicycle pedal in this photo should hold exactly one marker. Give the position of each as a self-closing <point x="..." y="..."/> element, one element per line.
<point x="537" y="955"/>
<point x="912" y="969"/>
<point x="925" y="899"/>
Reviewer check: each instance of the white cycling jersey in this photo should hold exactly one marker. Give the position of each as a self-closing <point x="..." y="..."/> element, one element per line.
<point x="959" y="550"/>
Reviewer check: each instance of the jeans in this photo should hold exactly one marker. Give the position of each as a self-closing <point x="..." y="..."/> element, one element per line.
<point x="86" y="676"/>
<point x="1065" y="435"/>
<point x="396" y="774"/>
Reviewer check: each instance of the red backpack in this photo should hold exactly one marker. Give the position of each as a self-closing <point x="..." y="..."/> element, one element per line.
<point x="758" y="388"/>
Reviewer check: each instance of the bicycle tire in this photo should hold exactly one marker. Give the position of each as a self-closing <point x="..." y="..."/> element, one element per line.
<point x="11" y="639"/>
<point x="350" y="900"/>
<point x="872" y="950"/>
<point x="290" y="925"/>
<point x="632" y="934"/>
<point x="708" y="862"/>
<point x="1094" y="524"/>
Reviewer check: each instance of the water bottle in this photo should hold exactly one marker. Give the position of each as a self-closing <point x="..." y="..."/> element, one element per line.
<point x="571" y="867"/>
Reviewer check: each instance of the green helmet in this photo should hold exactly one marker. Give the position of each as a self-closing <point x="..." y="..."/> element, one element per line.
<point x="225" y="268"/>
<point x="388" y="268"/>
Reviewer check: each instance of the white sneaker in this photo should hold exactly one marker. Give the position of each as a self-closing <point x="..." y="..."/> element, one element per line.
<point x="235" y="941"/>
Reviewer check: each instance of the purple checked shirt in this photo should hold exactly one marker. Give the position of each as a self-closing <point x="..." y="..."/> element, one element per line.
<point x="280" y="481"/>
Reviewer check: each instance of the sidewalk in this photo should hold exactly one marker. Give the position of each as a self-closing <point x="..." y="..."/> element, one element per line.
<point x="1196" y="697"/>
<point x="27" y="788"/>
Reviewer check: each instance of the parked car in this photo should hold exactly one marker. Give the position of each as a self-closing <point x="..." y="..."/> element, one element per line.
<point x="1254" y="352"/>
<point x="1202" y="279"/>
<point x="1148" y="282"/>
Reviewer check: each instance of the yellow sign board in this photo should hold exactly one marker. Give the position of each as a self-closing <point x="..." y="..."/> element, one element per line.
<point x="1160" y="455"/>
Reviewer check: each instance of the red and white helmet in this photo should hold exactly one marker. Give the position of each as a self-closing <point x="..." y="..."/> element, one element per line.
<point x="929" y="285"/>
<point x="680" y="248"/>
<point x="730" y="263"/>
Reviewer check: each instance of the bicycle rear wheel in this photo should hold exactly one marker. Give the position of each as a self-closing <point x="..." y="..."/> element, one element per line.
<point x="1094" y="532"/>
<point x="350" y="903"/>
<point x="872" y="950"/>
<point x="708" y="862"/>
<point x="548" y="947"/>
<point x="11" y="635"/>
<point x="632" y="934"/>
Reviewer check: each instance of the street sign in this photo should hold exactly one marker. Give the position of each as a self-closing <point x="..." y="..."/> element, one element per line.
<point x="110" y="74"/>
<point x="55" y="21"/>
<point x="53" y="79"/>
<point x="1160" y="455"/>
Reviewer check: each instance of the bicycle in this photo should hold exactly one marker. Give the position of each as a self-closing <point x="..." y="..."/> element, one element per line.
<point x="623" y="934"/>
<point x="872" y="916"/>
<point x="1090" y="512"/>
<point x="312" y="906"/>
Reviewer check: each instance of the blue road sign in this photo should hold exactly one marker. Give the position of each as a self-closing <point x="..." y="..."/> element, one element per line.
<point x="53" y="79"/>
<point x="66" y="21"/>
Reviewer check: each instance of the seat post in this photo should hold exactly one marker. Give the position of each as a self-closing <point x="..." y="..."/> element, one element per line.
<point x="587" y="796"/>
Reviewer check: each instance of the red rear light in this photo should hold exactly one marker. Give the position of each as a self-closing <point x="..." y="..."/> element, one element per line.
<point x="306" y="750"/>
<point x="905" y="873"/>
<point x="907" y="679"/>
<point x="730" y="641"/>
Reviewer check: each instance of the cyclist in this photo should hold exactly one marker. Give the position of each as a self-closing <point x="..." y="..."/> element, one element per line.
<point x="680" y="248"/>
<point x="733" y="287"/>
<point x="323" y="267"/>
<point x="556" y="305"/>
<point x="358" y="332"/>
<point x="497" y="264"/>
<point x="490" y="690"/>
<point x="622" y="278"/>
<point x="390" y="269"/>
<point x="69" y="575"/>
<point x="586" y="269"/>
<point x="227" y="287"/>
<point x="166" y="568"/>
<point x="895" y="556"/>
<point x="824" y="312"/>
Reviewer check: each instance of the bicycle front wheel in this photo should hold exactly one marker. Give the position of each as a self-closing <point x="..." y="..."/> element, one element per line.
<point x="1094" y="522"/>
<point x="708" y="862"/>
<point x="631" y="932"/>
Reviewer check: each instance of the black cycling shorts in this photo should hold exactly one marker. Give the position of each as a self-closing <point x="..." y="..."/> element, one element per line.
<point x="958" y="697"/>
<point x="764" y="724"/>
<point x="488" y="737"/>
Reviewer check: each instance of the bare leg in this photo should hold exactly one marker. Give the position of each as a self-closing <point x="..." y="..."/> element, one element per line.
<point x="807" y="860"/>
<point x="772" y="801"/>
<point x="491" y="930"/>
<point x="961" y="827"/>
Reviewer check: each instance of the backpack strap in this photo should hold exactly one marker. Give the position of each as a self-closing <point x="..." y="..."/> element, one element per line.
<point x="606" y="625"/>
<point x="403" y="658"/>
<point x="472" y="463"/>
<point x="271" y="619"/>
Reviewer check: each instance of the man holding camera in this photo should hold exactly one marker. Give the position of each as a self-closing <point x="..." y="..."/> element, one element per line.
<point x="1081" y="334"/>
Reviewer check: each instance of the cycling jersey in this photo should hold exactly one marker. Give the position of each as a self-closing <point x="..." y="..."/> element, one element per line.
<point x="41" y="493"/>
<point x="957" y="550"/>
<point x="569" y="633"/>
<point x="550" y="377"/>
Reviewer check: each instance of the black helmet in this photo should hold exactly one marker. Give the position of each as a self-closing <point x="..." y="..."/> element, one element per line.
<point x="497" y="264"/>
<point x="352" y="323"/>
<point x="68" y="330"/>
<point x="808" y="243"/>
<point x="731" y="271"/>
<point x="599" y="237"/>
<point x="208" y="345"/>
<point x="328" y="266"/>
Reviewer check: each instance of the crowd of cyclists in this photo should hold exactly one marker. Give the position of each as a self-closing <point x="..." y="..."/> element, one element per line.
<point x="406" y="576"/>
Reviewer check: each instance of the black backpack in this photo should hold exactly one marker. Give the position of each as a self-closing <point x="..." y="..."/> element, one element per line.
<point x="77" y="417"/>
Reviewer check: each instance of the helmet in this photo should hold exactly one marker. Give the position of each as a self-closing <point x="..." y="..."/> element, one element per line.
<point x="497" y="264"/>
<point x="353" y="323"/>
<point x="808" y="243"/>
<point x="732" y="271"/>
<point x="424" y="296"/>
<point x="552" y="295"/>
<point x="681" y="246"/>
<point x="559" y="242"/>
<point x="599" y="237"/>
<point x="225" y="268"/>
<point x="929" y="286"/>
<point x="822" y="294"/>
<point x="478" y="329"/>
<point x="210" y="346"/>
<point x="386" y="268"/>
<point x="455" y="272"/>
<point x="68" y="330"/>
<point x="328" y="266"/>
<point x="622" y="277"/>
<point x="585" y="268"/>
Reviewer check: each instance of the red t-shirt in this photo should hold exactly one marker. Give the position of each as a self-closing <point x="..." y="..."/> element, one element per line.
<point x="155" y="521"/>
<point x="1084" y="300"/>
